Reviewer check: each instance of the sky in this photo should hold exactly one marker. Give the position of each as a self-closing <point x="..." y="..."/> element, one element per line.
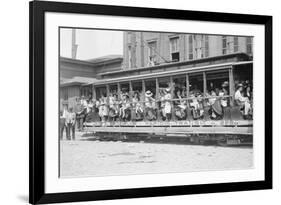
<point x="92" y="43"/>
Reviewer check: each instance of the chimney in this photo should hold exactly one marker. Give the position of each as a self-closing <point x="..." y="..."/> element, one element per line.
<point x="74" y="46"/>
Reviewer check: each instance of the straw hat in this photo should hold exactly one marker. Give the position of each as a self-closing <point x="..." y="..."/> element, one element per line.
<point x="168" y="90"/>
<point x="239" y="85"/>
<point x="225" y="84"/>
<point x="148" y="93"/>
<point x="64" y="102"/>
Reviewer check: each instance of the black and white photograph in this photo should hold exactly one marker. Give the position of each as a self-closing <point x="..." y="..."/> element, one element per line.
<point x="131" y="102"/>
<point x="134" y="102"/>
<point x="109" y="102"/>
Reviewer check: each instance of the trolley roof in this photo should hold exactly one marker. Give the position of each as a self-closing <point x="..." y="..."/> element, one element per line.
<point x="178" y="71"/>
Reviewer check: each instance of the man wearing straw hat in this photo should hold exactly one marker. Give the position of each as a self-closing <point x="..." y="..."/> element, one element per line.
<point x="243" y="102"/>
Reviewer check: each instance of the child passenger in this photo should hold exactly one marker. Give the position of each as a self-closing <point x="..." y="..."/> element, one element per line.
<point x="136" y="103"/>
<point x="196" y="105"/>
<point x="125" y="104"/>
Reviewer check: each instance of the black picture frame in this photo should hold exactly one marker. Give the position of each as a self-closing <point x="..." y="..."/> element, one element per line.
<point x="37" y="9"/>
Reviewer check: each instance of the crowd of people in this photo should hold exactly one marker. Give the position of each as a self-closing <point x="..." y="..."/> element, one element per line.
<point x="172" y="101"/>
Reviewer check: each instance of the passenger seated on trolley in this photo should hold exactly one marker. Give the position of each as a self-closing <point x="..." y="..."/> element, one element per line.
<point x="196" y="105"/>
<point x="249" y="96"/>
<point x="137" y="106"/>
<point x="103" y="108"/>
<point x="92" y="115"/>
<point x="150" y="106"/>
<point x="184" y="93"/>
<point x="167" y="110"/>
<point x="242" y="101"/>
<point x="83" y="101"/>
<point x="113" y="107"/>
<point x="89" y="106"/>
<point x="180" y="106"/>
<point x="214" y="102"/>
<point x="224" y="92"/>
<point x="124" y="111"/>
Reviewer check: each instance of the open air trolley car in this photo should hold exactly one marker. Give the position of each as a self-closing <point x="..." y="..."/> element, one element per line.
<point x="192" y="81"/>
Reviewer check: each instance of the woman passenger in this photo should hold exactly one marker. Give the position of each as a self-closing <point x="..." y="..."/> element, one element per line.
<point x="215" y="106"/>
<point x="113" y="110"/>
<point x="249" y="95"/>
<point x="103" y="108"/>
<point x="180" y="109"/>
<point x="137" y="106"/>
<point x="150" y="106"/>
<point x="224" y="92"/>
<point x="168" y="104"/>
<point x="196" y="105"/>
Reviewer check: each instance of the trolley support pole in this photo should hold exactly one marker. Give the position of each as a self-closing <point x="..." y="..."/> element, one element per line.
<point x="204" y="83"/>
<point x="143" y="99"/>
<point x="157" y="98"/>
<point x="187" y="85"/>
<point x="94" y="92"/>
<point x="107" y="90"/>
<point x="231" y="86"/>
<point x="118" y="90"/>
<point x="172" y="96"/>
<point x="130" y="90"/>
<point x="187" y="94"/>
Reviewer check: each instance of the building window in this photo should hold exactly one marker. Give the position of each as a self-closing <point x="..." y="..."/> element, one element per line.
<point x="235" y="44"/>
<point x="249" y="44"/>
<point x="190" y="47"/>
<point x="200" y="46"/>
<point x="224" y="45"/>
<point x="206" y="48"/>
<point x="174" y="49"/>
<point x="152" y="53"/>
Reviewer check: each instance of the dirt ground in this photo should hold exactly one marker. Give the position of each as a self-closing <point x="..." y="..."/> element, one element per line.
<point x="99" y="158"/>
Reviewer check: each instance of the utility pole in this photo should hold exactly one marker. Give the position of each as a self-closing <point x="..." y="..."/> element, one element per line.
<point x="74" y="46"/>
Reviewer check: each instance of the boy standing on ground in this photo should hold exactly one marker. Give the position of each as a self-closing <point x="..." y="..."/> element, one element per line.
<point x="70" y="123"/>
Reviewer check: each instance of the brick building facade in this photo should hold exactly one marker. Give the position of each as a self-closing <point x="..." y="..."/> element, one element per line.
<point x="142" y="49"/>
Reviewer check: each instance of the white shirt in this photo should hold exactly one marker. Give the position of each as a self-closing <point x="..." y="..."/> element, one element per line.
<point x="64" y="113"/>
<point x="223" y="101"/>
<point x="238" y="96"/>
<point x="84" y="103"/>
